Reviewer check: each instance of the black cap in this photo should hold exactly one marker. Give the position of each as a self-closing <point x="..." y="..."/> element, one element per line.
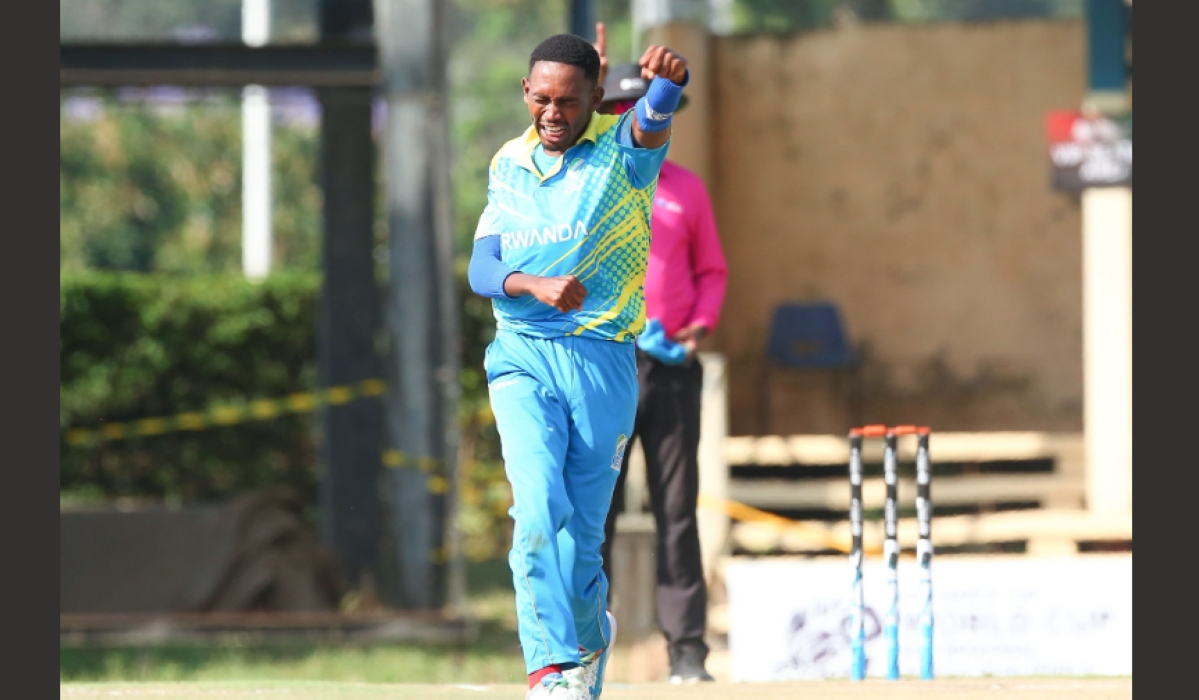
<point x="624" y="82"/>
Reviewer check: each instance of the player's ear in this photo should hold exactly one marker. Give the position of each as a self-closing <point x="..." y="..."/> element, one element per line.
<point x="524" y="87"/>
<point x="597" y="96"/>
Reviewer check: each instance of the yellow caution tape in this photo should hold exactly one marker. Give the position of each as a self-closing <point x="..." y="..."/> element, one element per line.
<point x="439" y="484"/>
<point x="232" y="414"/>
<point x="742" y="512"/>
<point x="436" y="483"/>
<point x="263" y="409"/>
<point x="399" y="460"/>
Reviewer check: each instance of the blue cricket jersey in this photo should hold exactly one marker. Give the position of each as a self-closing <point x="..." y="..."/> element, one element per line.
<point x="587" y="216"/>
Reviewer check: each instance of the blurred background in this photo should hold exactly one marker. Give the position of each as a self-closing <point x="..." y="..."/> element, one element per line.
<point x="278" y="454"/>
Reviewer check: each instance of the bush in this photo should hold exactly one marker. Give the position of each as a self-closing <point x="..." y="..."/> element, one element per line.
<point x="136" y="346"/>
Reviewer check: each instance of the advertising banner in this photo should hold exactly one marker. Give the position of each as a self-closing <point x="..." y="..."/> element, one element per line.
<point x="1089" y="151"/>
<point x="997" y="616"/>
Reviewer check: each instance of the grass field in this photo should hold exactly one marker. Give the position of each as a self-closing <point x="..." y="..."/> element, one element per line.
<point x="494" y="657"/>
<point x="991" y="689"/>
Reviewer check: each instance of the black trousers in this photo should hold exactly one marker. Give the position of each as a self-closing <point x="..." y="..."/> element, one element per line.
<point x="667" y="425"/>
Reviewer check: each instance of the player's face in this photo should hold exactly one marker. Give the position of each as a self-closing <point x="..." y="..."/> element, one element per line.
<point x="561" y="100"/>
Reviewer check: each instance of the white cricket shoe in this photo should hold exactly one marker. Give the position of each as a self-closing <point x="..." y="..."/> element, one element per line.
<point x="589" y="674"/>
<point x="555" y="686"/>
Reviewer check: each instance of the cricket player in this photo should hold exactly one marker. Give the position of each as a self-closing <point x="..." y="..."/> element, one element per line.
<point x="561" y="249"/>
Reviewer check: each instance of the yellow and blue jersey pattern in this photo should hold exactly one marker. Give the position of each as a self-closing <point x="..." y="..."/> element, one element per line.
<point x="588" y="216"/>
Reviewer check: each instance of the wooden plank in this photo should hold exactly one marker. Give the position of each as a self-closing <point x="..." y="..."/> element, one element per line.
<point x="833" y="493"/>
<point x="767" y="450"/>
<point x="950" y="531"/>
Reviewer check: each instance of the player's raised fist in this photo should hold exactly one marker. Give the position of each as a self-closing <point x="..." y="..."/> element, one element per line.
<point x="659" y="60"/>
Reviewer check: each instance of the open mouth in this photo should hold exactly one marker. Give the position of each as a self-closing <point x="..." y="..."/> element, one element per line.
<point x="553" y="133"/>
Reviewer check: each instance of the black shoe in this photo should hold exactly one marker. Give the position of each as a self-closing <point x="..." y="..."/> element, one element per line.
<point x="688" y="667"/>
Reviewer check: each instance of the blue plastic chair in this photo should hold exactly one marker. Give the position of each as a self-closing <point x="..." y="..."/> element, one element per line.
<point x="809" y="336"/>
<point x="805" y="336"/>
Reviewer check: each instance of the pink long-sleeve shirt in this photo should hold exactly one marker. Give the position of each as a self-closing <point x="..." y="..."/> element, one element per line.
<point x="686" y="276"/>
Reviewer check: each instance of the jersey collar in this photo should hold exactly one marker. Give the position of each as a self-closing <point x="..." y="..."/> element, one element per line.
<point x="597" y="125"/>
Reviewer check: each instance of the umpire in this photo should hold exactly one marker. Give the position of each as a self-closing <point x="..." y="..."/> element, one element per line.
<point x="684" y="290"/>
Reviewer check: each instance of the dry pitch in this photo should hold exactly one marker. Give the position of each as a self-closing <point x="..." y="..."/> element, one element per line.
<point x="968" y="689"/>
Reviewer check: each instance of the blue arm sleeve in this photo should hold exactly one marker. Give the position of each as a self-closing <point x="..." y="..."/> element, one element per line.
<point x="487" y="271"/>
<point x="643" y="163"/>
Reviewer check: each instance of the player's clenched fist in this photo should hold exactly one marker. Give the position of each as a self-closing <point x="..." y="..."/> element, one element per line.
<point x="565" y="293"/>
<point x="659" y="60"/>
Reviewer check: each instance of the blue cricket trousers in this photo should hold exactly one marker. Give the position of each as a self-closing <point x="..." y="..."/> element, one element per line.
<point x="564" y="408"/>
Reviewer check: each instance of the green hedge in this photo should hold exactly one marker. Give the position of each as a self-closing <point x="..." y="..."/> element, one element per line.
<point x="137" y="346"/>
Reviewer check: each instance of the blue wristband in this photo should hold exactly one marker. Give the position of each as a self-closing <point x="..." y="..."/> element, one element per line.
<point x="655" y="109"/>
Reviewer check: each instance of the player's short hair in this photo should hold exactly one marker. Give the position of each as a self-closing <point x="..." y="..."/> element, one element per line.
<point x="569" y="49"/>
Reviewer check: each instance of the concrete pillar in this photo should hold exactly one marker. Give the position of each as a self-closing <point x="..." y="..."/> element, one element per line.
<point x="1107" y="347"/>
<point x="691" y="142"/>
<point x="713" y="469"/>
<point x="1107" y="279"/>
<point x="421" y="310"/>
<point x="683" y="28"/>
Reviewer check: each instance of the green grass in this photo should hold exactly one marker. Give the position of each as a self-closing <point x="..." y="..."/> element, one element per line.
<point x="478" y="663"/>
<point x="494" y="657"/>
<point x="293" y="690"/>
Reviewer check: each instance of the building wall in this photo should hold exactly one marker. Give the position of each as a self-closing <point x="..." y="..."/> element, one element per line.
<point x="901" y="172"/>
